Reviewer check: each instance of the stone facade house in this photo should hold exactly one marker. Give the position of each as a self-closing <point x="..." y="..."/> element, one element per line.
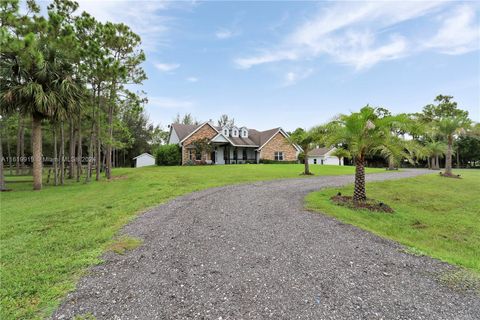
<point x="231" y="144"/>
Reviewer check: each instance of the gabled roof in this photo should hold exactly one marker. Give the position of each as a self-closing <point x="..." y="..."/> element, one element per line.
<point x="261" y="137"/>
<point x="144" y="154"/>
<point x="318" y="152"/>
<point x="255" y="138"/>
<point x="183" y="130"/>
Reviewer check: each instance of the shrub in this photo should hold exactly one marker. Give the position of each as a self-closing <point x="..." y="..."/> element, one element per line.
<point x="168" y="155"/>
<point x="267" y="161"/>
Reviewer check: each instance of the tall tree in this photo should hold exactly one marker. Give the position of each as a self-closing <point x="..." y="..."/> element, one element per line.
<point x="225" y="120"/>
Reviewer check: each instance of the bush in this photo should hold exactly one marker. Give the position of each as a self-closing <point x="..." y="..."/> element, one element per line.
<point x="267" y="161"/>
<point x="169" y="155"/>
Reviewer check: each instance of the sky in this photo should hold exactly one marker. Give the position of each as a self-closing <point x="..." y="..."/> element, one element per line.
<point x="298" y="64"/>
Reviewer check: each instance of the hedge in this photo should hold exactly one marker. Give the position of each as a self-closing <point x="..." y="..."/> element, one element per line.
<point x="169" y="155"/>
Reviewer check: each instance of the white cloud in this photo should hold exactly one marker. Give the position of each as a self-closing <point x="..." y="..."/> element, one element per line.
<point x="459" y="33"/>
<point x="224" y="34"/>
<point x="144" y="17"/>
<point x="192" y="79"/>
<point x="169" y="103"/>
<point x="360" y="34"/>
<point x="166" y="67"/>
<point x="292" y="77"/>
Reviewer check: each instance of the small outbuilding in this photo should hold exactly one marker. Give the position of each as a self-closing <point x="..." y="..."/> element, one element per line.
<point x="324" y="156"/>
<point x="143" y="160"/>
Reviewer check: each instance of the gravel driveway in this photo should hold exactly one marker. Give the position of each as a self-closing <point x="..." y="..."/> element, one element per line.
<point x="252" y="252"/>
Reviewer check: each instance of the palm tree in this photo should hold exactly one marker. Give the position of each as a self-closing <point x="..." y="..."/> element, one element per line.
<point x="448" y="127"/>
<point x="363" y="133"/>
<point x="305" y="140"/>
<point x="434" y="149"/>
<point x="37" y="83"/>
<point x="340" y="153"/>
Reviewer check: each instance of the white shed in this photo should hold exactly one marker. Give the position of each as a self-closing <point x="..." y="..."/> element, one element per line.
<point x="143" y="160"/>
<point x="324" y="156"/>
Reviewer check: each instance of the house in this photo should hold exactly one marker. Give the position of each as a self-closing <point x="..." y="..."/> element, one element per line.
<point x="143" y="160"/>
<point x="231" y="144"/>
<point x="324" y="156"/>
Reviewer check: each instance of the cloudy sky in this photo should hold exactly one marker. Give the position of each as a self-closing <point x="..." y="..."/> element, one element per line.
<point x="292" y="63"/>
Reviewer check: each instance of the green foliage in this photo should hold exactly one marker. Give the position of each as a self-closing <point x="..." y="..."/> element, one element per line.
<point x="268" y="161"/>
<point x="437" y="216"/>
<point x="168" y="155"/>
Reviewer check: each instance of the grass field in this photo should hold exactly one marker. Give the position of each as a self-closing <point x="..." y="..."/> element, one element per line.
<point x="435" y="216"/>
<point x="49" y="237"/>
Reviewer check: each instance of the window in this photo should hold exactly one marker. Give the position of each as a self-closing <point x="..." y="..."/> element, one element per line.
<point x="244" y="133"/>
<point x="244" y="154"/>
<point x="278" y="155"/>
<point x="198" y="156"/>
<point x="314" y="161"/>
<point x="225" y="132"/>
<point x="190" y="154"/>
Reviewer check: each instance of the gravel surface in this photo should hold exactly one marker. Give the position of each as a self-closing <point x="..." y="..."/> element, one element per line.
<point x="252" y="252"/>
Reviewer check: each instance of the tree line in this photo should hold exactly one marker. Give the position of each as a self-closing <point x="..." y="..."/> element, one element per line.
<point x="67" y="90"/>
<point x="440" y="130"/>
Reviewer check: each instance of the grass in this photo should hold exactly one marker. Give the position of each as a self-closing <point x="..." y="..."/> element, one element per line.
<point x="49" y="238"/>
<point x="434" y="216"/>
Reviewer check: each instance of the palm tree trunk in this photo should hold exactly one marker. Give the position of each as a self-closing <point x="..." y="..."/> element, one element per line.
<point x="307" y="166"/>
<point x="37" y="152"/>
<point x="359" y="193"/>
<point x="437" y="162"/>
<point x="391" y="163"/>
<point x="448" y="159"/>
<point x="428" y="163"/>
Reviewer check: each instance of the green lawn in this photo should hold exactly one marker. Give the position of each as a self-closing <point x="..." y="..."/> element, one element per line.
<point x="49" y="238"/>
<point x="436" y="216"/>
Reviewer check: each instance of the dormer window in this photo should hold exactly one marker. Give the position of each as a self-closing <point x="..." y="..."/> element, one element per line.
<point x="225" y="131"/>
<point x="234" y="132"/>
<point x="244" y="132"/>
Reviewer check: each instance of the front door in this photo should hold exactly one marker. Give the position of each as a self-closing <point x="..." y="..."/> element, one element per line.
<point x="212" y="156"/>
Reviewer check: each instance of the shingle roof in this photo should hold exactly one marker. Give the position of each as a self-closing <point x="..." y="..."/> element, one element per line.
<point x="260" y="137"/>
<point x="319" y="152"/>
<point x="184" y="130"/>
<point x="255" y="138"/>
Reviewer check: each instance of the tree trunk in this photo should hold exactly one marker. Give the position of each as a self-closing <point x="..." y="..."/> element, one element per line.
<point x="108" y="154"/>
<point x="71" y="151"/>
<point x="428" y="162"/>
<point x="37" y="152"/>
<point x="359" y="194"/>
<point x="307" y="166"/>
<point x="9" y="155"/>
<point x="20" y="139"/>
<point x="458" y="158"/>
<point x="2" y="178"/>
<point x="55" y="157"/>
<point x="391" y="163"/>
<point x="79" y="150"/>
<point x="62" y="154"/>
<point x="437" y="162"/>
<point x="448" y="157"/>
